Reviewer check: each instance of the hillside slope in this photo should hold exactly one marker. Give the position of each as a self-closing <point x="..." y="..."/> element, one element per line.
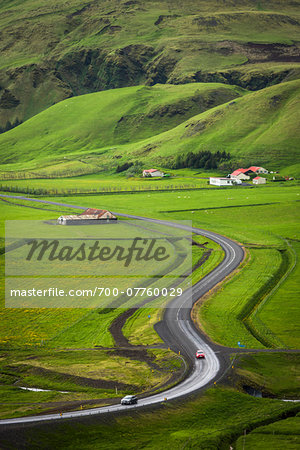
<point x="54" y="50"/>
<point x="259" y="128"/>
<point x="107" y="118"/>
<point x="98" y="131"/>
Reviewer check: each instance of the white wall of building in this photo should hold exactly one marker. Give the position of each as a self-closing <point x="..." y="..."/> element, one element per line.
<point x="260" y="181"/>
<point x="221" y="181"/>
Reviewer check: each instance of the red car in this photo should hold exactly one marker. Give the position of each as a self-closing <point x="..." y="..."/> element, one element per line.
<point x="200" y="354"/>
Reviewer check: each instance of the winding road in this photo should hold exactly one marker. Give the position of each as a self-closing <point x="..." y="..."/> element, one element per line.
<point x="177" y="329"/>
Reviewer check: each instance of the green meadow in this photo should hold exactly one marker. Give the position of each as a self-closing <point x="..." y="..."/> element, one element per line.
<point x="232" y="212"/>
<point x="282" y="433"/>
<point x="80" y="327"/>
<point x="273" y="209"/>
<point x="274" y="374"/>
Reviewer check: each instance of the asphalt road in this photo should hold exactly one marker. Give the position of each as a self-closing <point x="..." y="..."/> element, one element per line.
<point x="177" y="330"/>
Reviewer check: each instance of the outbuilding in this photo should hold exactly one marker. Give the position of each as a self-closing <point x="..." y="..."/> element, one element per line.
<point x="222" y="181"/>
<point x="259" y="180"/>
<point x="89" y="217"/>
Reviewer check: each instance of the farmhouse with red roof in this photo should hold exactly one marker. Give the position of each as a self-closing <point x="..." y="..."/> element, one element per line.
<point x="152" y="173"/>
<point x="240" y="174"/>
<point x="243" y="174"/>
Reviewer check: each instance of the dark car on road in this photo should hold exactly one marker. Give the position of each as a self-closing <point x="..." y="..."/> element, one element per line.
<point x="129" y="400"/>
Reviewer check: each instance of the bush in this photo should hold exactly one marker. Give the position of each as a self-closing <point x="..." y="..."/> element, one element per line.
<point x="123" y="167"/>
<point x="204" y="159"/>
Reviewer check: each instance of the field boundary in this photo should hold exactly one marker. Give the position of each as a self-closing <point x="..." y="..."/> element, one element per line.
<point x="253" y="323"/>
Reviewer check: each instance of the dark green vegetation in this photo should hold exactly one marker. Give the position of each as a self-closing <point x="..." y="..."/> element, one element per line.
<point x="205" y="160"/>
<point x="54" y="51"/>
<point x="209" y="422"/>
<point x="273" y="374"/>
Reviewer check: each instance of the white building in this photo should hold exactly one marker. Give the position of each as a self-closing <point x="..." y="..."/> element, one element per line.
<point x="240" y="176"/>
<point x="259" y="180"/>
<point x="152" y="173"/>
<point x="223" y="181"/>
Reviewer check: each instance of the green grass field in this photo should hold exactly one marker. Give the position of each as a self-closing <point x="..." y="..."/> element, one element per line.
<point x="274" y="374"/>
<point x="273" y="313"/>
<point x="280" y="434"/>
<point x="274" y="209"/>
<point x="109" y="183"/>
<point x="75" y="327"/>
<point x="173" y="425"/>
<point x="222" y="314"/>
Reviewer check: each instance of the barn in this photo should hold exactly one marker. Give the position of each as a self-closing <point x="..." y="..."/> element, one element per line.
<point x="90" y="216"/>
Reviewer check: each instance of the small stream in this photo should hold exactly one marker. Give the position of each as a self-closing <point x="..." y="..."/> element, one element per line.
<point x="256" y="393"/>
<point x="42" y="390"/>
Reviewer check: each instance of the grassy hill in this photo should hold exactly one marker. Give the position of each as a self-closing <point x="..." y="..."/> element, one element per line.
<point x="54" y="50"/>
<point x="97" y="131"/>
<point x="110" y="118"/>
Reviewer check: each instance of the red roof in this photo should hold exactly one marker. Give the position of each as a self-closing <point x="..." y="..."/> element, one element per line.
<point x="254" y="168"/>
<point x="93" y="212"/>
<point x="151" y="170"/>
<point x="257" y="178"/>
<point x="238" y="171"/>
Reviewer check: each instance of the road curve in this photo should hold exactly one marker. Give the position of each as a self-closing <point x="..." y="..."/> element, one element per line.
<point x="177" y="329"/>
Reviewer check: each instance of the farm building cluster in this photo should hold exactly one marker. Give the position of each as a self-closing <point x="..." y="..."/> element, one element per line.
<point x="239" y="176"/>
<point x="90" y="216"/>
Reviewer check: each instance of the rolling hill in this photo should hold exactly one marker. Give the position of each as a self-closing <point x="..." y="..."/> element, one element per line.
<point x="54" y="50"/>
<point x="97" y="131"/>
